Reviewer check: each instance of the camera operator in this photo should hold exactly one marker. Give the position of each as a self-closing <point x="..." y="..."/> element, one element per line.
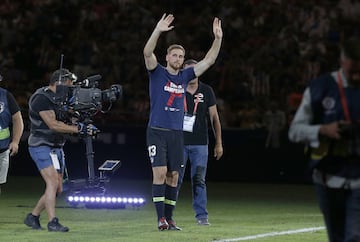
<point x="327" y="120"/>
<point x="47" y="137"/>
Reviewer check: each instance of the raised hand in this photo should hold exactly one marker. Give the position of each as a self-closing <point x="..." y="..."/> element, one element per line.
<point x="164" y="23"/>
<point x="217" y="28"/>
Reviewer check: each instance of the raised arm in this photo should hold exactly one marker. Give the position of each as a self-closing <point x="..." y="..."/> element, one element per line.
<point x="213" y="52"/>
<point x="162" y="26"/>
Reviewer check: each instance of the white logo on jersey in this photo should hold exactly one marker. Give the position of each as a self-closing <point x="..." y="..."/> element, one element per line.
<point x="199" y="98"/>
<point x="329" y="104"/>
<point x="173" y="88"/>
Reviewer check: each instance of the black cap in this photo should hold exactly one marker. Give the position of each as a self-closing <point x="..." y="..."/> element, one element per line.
<point x="62" y="76"/>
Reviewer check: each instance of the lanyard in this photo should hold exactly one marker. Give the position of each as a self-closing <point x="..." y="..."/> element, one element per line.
<point x="196" y="101"/>
<point x="343" y="98"/>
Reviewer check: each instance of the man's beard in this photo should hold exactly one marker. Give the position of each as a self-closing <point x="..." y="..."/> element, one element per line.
<point x="175" y="66"/>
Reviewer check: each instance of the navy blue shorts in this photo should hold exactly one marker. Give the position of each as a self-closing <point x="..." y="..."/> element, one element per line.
<point x="165" y="147"/>
<point x="45" y="156"/>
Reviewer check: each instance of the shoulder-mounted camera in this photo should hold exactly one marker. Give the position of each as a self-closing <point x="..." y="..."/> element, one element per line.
<point x="84" y="99"/>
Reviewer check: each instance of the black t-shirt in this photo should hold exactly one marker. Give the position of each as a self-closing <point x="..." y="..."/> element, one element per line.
<point x="41" y="103"/>
<point x="40" y="134"/>
<point x="205" y="98"/>
<point x="13" y="106"/>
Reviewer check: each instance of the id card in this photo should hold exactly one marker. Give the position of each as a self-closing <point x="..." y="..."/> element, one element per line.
<point x="55" y="160"/>
<point x="189" y="122"/>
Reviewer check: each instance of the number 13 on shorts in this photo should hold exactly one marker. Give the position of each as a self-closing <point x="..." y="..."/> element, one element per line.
<point x="152" y="152"/>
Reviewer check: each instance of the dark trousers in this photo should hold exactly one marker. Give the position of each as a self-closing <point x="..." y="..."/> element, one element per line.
<point x="341" y="211"/>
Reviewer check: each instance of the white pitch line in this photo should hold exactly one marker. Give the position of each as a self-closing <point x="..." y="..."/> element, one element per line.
<point x="272" y="234"/>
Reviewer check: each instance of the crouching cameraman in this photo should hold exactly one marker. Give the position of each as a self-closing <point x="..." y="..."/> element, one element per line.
<point x="47" y="137"/>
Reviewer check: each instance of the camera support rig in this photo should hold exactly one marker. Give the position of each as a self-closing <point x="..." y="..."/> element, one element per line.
<point x="85" y="102"/>
<point x="92" y="193"/>
<point x="107" y="167"/>
<point x="81" y="102"/>
<point x="94" y="184"/>
<point x="90" y="158"/>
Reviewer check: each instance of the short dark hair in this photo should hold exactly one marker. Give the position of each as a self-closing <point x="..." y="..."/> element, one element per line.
<point x="351" y="48"/>
<point x="64" y="75"/>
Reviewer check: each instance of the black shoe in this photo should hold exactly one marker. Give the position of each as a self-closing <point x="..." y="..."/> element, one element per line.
<point x="32" y="221"/>
<point x="55" y="226"/>
<point x="172" y="225"/>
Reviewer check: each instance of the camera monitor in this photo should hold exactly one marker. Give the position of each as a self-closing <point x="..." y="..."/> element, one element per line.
<point x="110" y="165"/>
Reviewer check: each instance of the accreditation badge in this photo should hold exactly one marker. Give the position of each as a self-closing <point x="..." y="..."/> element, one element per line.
<point x="55" y="160"/>
<point x="189" y="121"/>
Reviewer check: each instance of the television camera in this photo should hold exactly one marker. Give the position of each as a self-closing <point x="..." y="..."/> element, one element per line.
<point x="85" y="99"/>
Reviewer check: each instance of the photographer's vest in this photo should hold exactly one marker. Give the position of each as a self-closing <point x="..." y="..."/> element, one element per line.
<point x="40" y="134"/>
<point x="5" y="120"/>
<point x="334" y="156"/>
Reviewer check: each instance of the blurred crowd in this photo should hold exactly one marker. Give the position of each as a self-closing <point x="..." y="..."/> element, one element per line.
<point x="271" y="49"/>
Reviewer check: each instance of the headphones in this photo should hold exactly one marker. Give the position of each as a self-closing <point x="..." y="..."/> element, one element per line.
<point x="61" y="75"/>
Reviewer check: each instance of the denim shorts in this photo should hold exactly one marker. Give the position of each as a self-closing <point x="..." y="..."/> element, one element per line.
<point x="45" y="156"/>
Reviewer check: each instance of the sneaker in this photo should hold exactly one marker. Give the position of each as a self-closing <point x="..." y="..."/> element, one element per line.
<point x="55" y="226"/>
<point x="172" y="225"/>
<point x="203" y="221"/>
<point x="32" y="221"/>
<point x="163" y="224"/>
